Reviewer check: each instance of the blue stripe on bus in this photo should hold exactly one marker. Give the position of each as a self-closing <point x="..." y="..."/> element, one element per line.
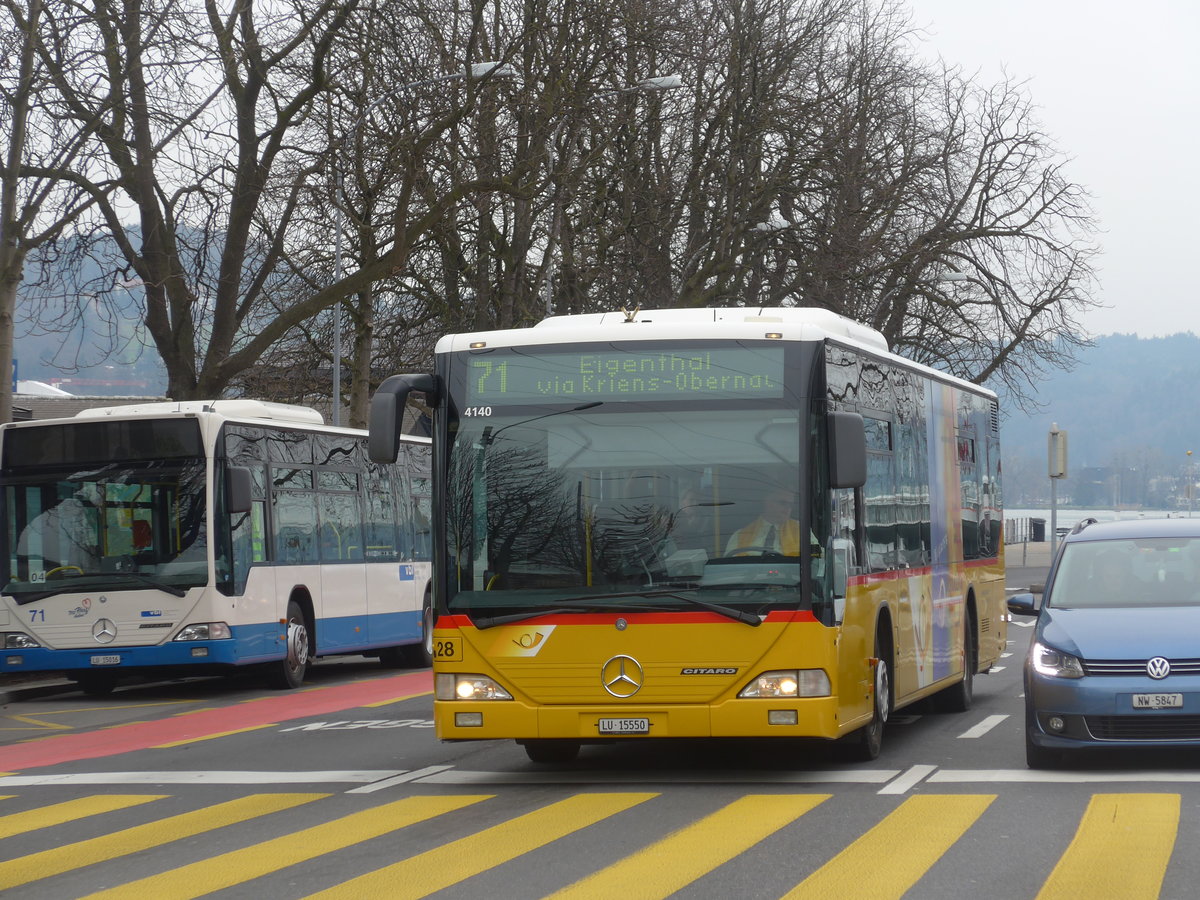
<point x="249" y="644"/>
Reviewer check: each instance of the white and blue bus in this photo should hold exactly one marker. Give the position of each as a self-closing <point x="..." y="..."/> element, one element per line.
<point x="199" y="537"/>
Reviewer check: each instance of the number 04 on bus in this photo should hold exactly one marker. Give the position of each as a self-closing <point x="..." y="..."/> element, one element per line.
<point x="702" y="523"/>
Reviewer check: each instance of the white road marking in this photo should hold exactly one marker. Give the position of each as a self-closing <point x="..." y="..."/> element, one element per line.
<point x="983" y="727"/>
<point x="907" y="780"/>
<point x="332" y="777"/>
<point x="402" y="778"/>
<point x="1006" y="654"/>
<point x="829" y="776"/>
<point x="1022" y="624"/>
<point x="998" y="776"/>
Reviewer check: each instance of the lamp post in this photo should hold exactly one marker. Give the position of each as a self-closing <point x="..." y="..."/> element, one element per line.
<point x="475" y="72"/>
<point x="1191" y="485"/>
<point x="646" y="85"/>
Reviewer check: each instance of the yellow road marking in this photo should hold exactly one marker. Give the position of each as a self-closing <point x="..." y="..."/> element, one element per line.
<point x="679" y="859"/>
<point x="426" y="873"/>
<point x="1121" y="848"/>
<point x="69" y="811"/>
<point x="30" y="720"/>
<point x="242" y="865"/>
<point x="398" y="699"/>
<point x="209" y="737"/>
<point x="57" y="860"/>
<point x="890" y="858"/>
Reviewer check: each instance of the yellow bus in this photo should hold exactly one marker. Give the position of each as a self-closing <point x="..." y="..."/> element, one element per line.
<point x="692" y="523"/>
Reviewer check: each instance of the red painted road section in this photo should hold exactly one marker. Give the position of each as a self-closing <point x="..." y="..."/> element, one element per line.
<point x="190" y="726"/>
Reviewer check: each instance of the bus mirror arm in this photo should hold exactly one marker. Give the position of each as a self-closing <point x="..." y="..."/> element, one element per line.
<point x="847" y="450"/>
<point x="387" y="412"/>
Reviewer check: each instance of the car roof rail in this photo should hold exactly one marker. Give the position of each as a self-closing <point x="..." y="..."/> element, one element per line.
<point x="1084" y="523"/>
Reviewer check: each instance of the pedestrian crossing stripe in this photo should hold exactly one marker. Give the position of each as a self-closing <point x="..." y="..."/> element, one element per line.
<point x="1124" y="842"/>
<point x="57" y="860"/>
<point x="422" y="875"/>
<point x="240" y="866"/>
<point x="70" y="811"/>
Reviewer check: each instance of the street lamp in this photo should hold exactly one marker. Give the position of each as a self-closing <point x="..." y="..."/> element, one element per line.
<point x="473" y="72"/>
<point x="645" y="86"/>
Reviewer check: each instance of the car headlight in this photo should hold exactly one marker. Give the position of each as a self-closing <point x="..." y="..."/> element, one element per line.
<point x="17" y="640"/>
<point x="1055" y="663"/>
<point x="449" y="686"/>
<point x="204" y="631"/>
<point x="788" y="683"/>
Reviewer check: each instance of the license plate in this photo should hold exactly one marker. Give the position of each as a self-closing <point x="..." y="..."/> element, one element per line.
<point x="624" y="726"/>
<point x="106" y="660"/>
<point x="1157" y="701"/>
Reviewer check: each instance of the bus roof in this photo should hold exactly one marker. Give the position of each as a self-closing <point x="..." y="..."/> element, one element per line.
<point x="233" y="409"/>
<point x="793" y="323"/>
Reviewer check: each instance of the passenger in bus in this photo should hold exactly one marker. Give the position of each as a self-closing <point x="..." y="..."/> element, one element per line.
<point x="774" y="531"/>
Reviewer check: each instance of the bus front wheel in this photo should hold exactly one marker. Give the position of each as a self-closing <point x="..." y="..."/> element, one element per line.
<point x="289" y="672"/>
<point x="870" y="738"/>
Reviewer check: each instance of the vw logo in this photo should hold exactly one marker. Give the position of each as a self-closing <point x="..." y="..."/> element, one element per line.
<point x="621" y="676"/>
<point x="104" y="631"/>
<point x="1158" y="668"/>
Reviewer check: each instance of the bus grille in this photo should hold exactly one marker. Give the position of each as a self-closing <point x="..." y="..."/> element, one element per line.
<point x="1144" y="728"/>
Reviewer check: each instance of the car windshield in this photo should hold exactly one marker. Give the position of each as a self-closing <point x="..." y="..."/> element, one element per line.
<point x="1128" y="573"/>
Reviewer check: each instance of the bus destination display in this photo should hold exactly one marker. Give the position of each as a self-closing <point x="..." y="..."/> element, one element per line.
<point x="710" y="374"/>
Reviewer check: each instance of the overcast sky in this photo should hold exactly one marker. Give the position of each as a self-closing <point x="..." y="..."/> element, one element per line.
<point x="1118" y="87"/>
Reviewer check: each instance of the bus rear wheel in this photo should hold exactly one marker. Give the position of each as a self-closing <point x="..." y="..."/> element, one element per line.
<point x="289" y="672"/>
<point x="551" y="751"/>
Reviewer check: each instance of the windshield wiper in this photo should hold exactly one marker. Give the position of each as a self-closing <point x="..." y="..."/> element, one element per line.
<point x="69" y="585"/>
<point x="509" y="618"/>
<point x="728" y="611"/>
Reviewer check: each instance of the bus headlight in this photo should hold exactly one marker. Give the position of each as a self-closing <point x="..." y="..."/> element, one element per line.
<point x="204" y="631"/>
<point x="18" y="640"/>
<point x="448" y="686"/>
<point x="788" y="683"/>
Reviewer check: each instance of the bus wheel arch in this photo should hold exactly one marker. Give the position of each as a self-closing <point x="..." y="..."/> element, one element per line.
<point x="289" y="672"/>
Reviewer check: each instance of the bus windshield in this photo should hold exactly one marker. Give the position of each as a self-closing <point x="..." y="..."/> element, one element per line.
<point x="609" y="505"/>
<point x="119" y="527"/>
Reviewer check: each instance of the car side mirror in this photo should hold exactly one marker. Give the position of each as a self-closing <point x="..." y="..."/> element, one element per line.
<point x="1023" y="605"/>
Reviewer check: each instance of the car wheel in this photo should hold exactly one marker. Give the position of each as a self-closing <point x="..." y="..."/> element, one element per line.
<point x="551" y="751"/>
<point x="1040" y="757"/>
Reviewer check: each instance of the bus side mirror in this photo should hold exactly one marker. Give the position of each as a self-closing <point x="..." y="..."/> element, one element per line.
<point x="387" y="413"/>
<point x="847" y="450"/>
<point x="237" y="489"/>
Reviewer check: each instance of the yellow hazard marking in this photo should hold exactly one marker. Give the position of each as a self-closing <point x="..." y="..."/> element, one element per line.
<point x="398" y="699"/>
<point x="239" y="866"/>
<point x="69" y="857"/>
<point x="215" y="734"/>
<point x="426" y="873"/>
<point x="679" y="859"/>
<point x="69" y="811"/>
<point x="889" y="859"/>
<point x="1121" y="849"/>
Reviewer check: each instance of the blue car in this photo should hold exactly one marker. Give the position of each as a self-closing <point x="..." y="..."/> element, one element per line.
<point x="1115" y="658"/>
